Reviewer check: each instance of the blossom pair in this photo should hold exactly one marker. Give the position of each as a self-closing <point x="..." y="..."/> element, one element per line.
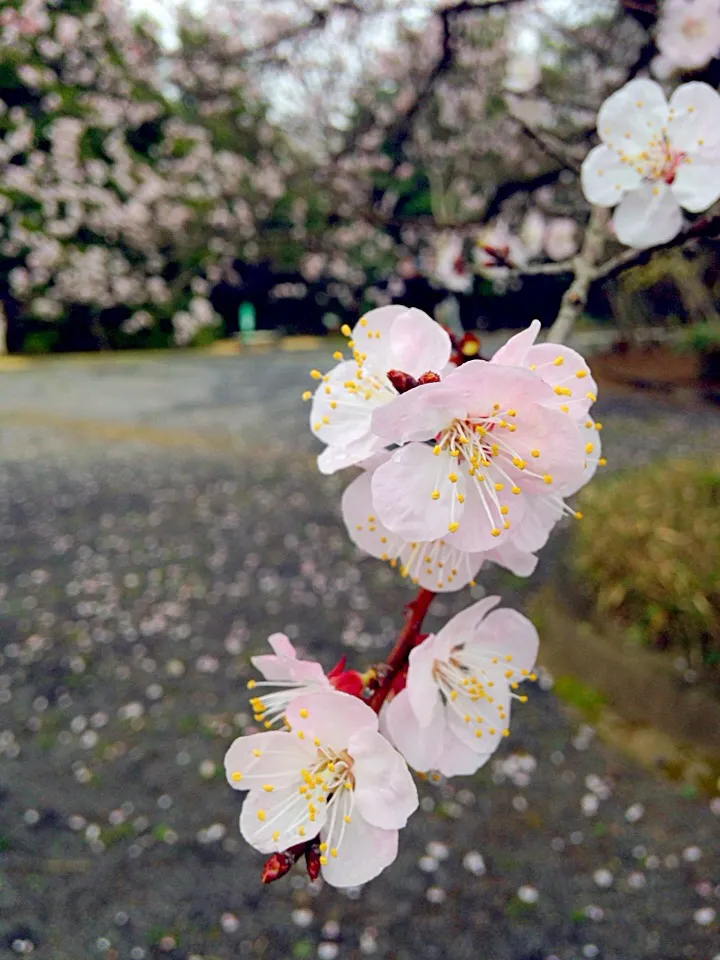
<point x="337" y="776"/>
<point x="486" y="452"/>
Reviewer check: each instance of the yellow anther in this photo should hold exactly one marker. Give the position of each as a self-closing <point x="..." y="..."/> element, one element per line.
<point x="268" y="787"/>
<point x="452" y="527"/>
<point x="602" y="462"/>
<point x="495" y="532"/>
<point x="506" y="525"/>
<point x="435" y="495"/>
<point x="257" y="753"/>
<point x="307" y="395"/>
<point x="301" y="831"/>
<point x="504" y="510"/>
<point x="591" y="396"/>
<point x="481" y="430"/>
<point x="236" y="777"/>
<point x="345" y="330"/>
<point x="276" y="836"/>
<point x="304" y="713"/>
<point x="535" y="453"/>
<point x="461" y="498"/>
<point x="454" y="453"/>
<point x="589" y="447"/>
<point x="251" y="684"/>
<point x="337" y="355"/>
<point x="261" y="814"/>
<point x="580" y="374"/>
<point x="547" y="478"/>
<point x="562" y="391"/>
<point x="512" y="413"/>
<point x="452" y="477"/>
<point x="323" y="847"/>
<point x="323" y="861"/>
<point x="437" y="449"/>
<point x="499" y="486"/>
<point x="333" y="852"/>
<point x="515" y="490"/>
<point x="558" y="361"/>
<point x="578" y="515"/>
<point x="316" y="375"/>
<point x="347" y="819"/>
<point x="326" y="420"/>
<point x="598" y="426"/>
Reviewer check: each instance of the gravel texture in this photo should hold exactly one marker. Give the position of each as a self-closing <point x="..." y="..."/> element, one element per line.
<point x="159" y="518"/>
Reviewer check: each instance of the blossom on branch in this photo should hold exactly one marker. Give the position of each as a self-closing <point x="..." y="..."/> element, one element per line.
<point x="688" y="34"/>
<point x="455" y="708"/>
<point x="434" y="565"/>
<point x="499" y="436"/>
<point x="393" y="338"/>
<point x="331" y="775"/>
<point x="655" y="159"/>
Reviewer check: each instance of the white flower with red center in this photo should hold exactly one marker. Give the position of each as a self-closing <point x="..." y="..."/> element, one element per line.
<point x="435" y="565"/>
<point x="394" y="338"/>
<point x="655" y="158"/>
<point x="451" y="270"/>
<point x="499" y="436"/>
<point x="455" y="708"/>
<point x="688" y="34"/>
<point x="290" y="677"/>
<point x="330" y="774"/>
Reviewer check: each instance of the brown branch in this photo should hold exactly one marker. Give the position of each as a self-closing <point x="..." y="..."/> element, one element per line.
<point x="398" y="657"/>
<point x="705" y="228"/>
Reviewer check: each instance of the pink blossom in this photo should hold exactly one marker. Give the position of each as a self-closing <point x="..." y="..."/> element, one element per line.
<point x="455" y="708"/>
<point x="388" y="338"/>
<point x="451" y="271"/>
<point x="330" y="774"/>
<point x="502" y="435"/>
<point x="655" y="159"/>
<point x="434" y="565"/>
<point x="688" y="33"/>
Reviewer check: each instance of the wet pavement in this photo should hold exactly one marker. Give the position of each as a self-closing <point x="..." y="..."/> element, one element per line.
<point x="159" y="518"/>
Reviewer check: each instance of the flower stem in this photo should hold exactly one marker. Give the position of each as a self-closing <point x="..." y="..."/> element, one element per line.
<point x="397" y="659"/>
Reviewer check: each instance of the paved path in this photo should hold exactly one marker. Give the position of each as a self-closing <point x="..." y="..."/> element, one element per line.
<point x="159" y="518"/>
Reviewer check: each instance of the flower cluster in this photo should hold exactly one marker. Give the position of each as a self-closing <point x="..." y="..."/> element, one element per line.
<point x="463" y="461"/>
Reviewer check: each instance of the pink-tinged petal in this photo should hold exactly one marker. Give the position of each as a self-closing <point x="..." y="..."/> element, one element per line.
<point x="513" y="353"/>
<point x="418" y="414"/>
<point x="284" y="665"/>
<point x="456" y="759"/>
<point x="593" y="452"/>
<point x="482" y="512"/>
<point x="363" y="525"/>
<point x="507" y="633"/>
<point x="274" y="758"/>
<point x="564" y="370"/>
<point x="385" y="794"/>
<point x="479" y="384"/>
<point x="463" y="626"/>
<point x="695" y="119"/>
<point x="540" y="516"/>
<point x="648" y="216"/>
<point x="438" y="566"/>
<point x="421" y="686"/>
<point x="281" y="646"/>
<point x="550" y="443"/>
<point x="363" y="853"/>
<point x="414" y="495"/>
<point x="278" y="820"/>
<point x="517" y="561"/>
<point x="605" y="178"/>
<point x="332" y="718"/>
<point x="697" y="183"/>
<point x="633" y="115"/>
<point x="371" y="338"/>
<point x="419" y="344"/>
<point x="483" y="737"/>
<point x="420" y="746"/>
<point x="334" y="458"/>
<point x="341" y="415"/>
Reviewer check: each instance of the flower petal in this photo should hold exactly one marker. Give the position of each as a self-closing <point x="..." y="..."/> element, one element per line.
<point x="508" y="633"/>
<point x="363" y="526"/>
<point x="695" y="118"/>
<point x="513" y="353"/>
<point x="275" y="821"/>
<point x="517" y="561"/>
<point x="539" y="517"/>
<point x="439" y="566"/>
<point x="419" y="344"/>
<point x="274" y="758"/>
<point x="562" y="367"/>
<point x="456" y="759"/>
<point x="605" y="178"/>
<point x="332" y="718"/>
<point x="482" y="512"/>
<point x="362" y="854"/>
<point x="385" y="793"/>
<point x="421" y="687"/>
<point x="633" y="115"/>
<point x="334" y="458"/>
<point x="418" y="414"/>
<point x="697" y="184"/>
<point x="420" y="746"/>
<point x="648" y="216"/>
<point x="371" y="338"/>
<point x="414" y="495"/>
<point x="464" y="625"/>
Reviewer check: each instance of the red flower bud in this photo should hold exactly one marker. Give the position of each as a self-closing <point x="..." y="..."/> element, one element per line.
<point x="312" y="860"/>
<point x="401" y="381"/>
<point x="276" y="866"/>
<point x="429" y="377"/>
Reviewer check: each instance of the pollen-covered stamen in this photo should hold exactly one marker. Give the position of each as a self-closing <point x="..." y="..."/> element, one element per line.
<point x="269" y="708"/>
<point x="658" y="162"/>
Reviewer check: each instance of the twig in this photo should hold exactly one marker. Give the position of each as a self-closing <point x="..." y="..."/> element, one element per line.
<point x="398" y="657"/>
<point x="575" y="297"/>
